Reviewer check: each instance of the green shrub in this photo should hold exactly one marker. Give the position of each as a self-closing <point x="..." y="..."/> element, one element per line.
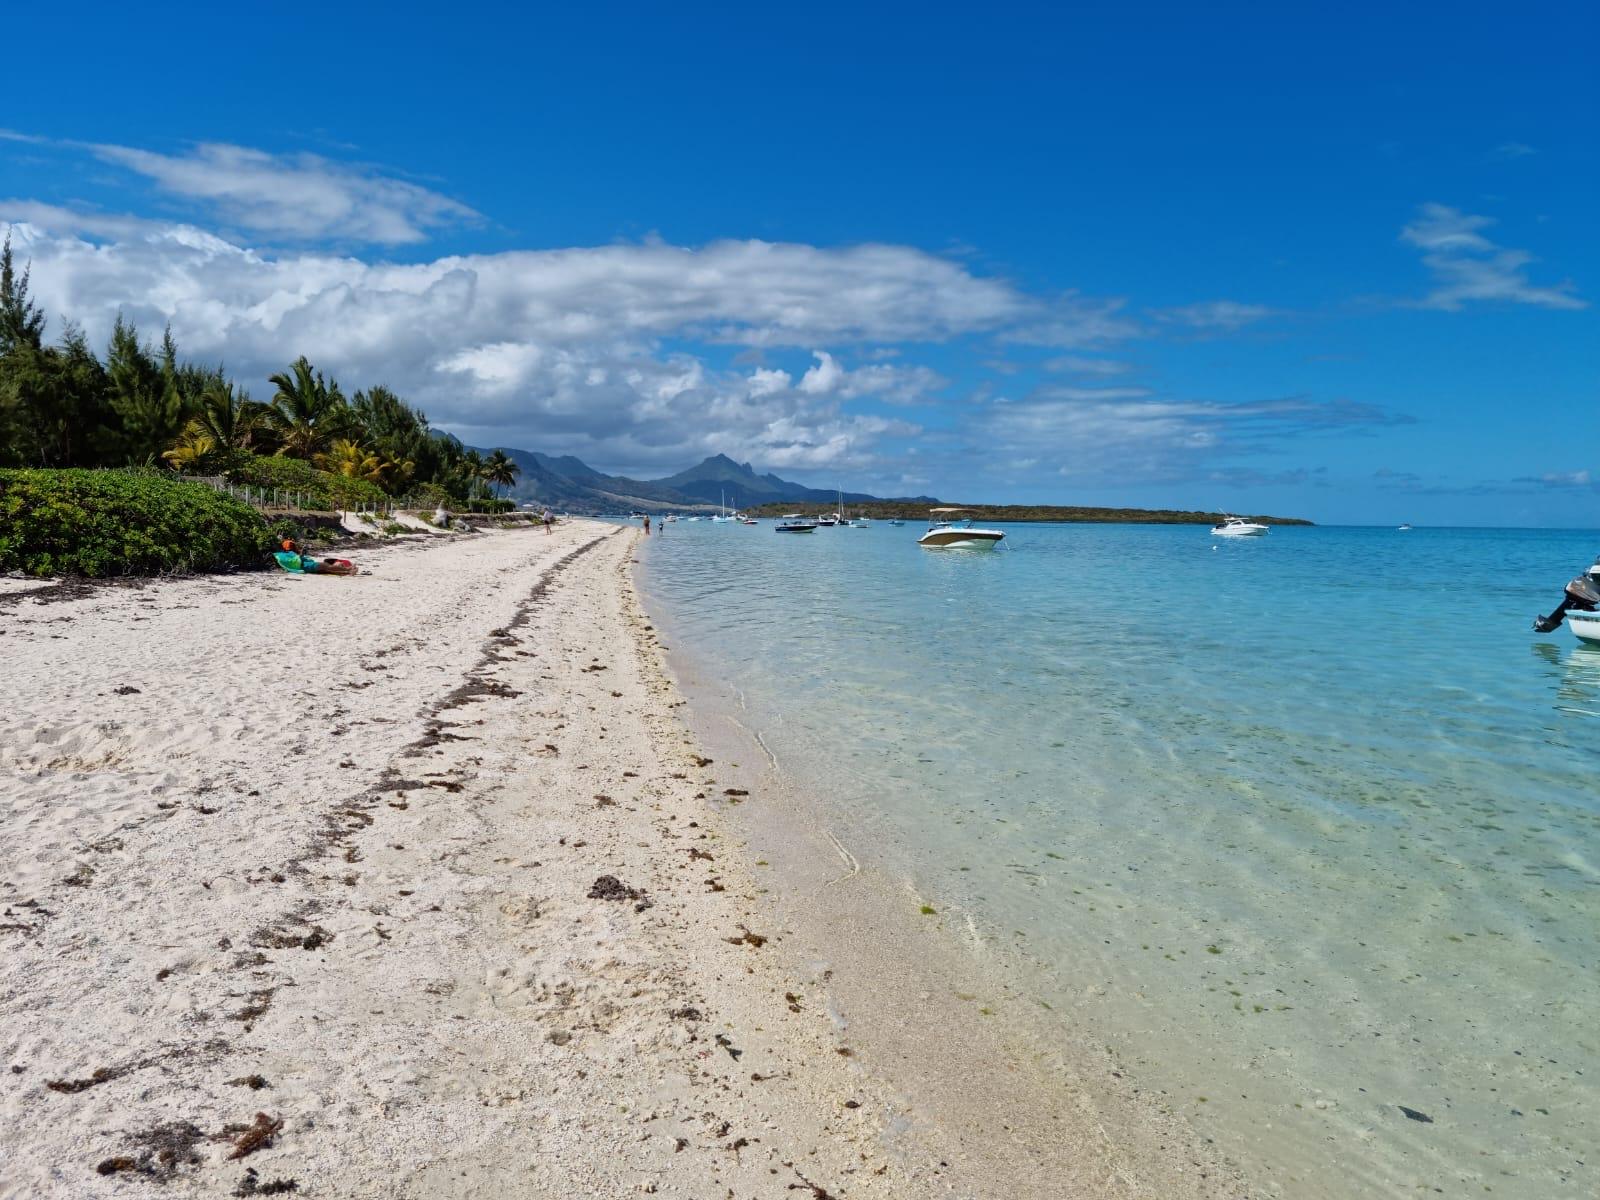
<point x="323" y="489"/>
<point x="82" y="522"/>
<point x="431" y="495"/>
<point x="491" y="506"/>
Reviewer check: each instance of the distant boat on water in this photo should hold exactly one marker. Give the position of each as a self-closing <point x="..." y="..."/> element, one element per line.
<point x="1406" y="528"/>
<point x="945" y="532"/>
<point x="1238" y="527"/>
<point x="795" y="523"/>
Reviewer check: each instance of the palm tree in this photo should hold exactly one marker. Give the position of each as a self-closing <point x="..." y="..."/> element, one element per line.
<point x="472" y="467"/>
<point x="194" y="451"/>
<point x="350" y="459"/>
<point x="231" y="419"/>
<point x="306" y="413"/>
<point x="500" y="470"/>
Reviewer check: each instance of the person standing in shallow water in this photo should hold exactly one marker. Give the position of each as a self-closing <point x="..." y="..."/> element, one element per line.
<point x="647" y="524"/>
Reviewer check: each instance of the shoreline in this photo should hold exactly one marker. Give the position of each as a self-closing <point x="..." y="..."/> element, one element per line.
<point x="1031" y="1107"/>
<point x="311" y="880"/>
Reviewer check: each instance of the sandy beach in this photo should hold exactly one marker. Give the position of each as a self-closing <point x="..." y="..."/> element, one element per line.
<point x="417" y="885"/>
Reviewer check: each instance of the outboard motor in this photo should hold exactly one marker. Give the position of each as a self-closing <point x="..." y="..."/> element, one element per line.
<point x="1583" y="594"/>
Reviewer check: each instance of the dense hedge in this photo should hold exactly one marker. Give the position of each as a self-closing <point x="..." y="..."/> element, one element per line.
<point x="82" y="522"/>
<point x="323" y="489"/>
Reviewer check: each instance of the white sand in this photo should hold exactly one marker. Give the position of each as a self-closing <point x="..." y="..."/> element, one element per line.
<point x="342" y="837"/>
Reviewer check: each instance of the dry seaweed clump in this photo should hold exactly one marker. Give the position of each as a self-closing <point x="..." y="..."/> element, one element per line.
<point x="163" y="1152"/>
<point x="257" y="1135"/>
<point x="251" y="1184"/>
<point x="609" y="887"/>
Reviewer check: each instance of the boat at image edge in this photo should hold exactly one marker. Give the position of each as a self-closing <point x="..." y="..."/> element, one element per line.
<point x="945" y="532"/>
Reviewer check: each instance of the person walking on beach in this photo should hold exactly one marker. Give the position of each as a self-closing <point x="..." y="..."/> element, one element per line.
<point x="545" y="517"/>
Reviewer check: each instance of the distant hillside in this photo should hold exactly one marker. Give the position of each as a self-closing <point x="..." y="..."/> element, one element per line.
<point x="917" y="510"/>
<point x="720" y="476"/>
<point x="571" y="485"/>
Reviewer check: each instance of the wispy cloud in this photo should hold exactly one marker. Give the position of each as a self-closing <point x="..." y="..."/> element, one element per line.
<point x="1127" y="435"/>
<point x="1581" y="480"/>
<point x="1077" y="364"/>
<point x="1514" y="150"/>
<point x="1075" y="322"/>
<point x="1214" y="316"/>
<point x="1467" y="267"/>
<point x="302" y="197"/>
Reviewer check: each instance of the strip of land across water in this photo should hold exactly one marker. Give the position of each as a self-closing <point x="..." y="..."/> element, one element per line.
<point x="917" y="510"/>
<point x="415" y="884"/>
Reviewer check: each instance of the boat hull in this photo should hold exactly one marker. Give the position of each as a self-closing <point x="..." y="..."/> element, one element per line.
<point x="1586" y="626"/>
<point x="961" y="539"/>
<point x="1224" y="531"/>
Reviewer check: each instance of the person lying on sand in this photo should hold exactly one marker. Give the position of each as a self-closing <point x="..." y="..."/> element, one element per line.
<point x="291" y="558"/>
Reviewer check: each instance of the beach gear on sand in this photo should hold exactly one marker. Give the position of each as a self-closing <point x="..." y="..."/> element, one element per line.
<point x="296" y="563"/>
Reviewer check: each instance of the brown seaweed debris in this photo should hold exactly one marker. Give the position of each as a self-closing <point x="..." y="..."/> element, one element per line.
<point x="609" y="887"/>
<point x="255" y="1136"/>
<point x="748" y="938"/>
<point x="72" y="1086"/>
<point x="252" y="1185"/>
<point x="166" y="1149"/>
<point x="254" y="1082"/>
<point x="285" y="939"/>
<point x="818" y="1192"/>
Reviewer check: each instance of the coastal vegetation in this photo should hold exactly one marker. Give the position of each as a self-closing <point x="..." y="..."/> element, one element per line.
<point x="130" y="522"/>
<point x="143" y="405"/>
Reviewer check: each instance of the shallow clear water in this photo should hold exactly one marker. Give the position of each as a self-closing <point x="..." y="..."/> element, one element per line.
<point x="1307" y="827"/>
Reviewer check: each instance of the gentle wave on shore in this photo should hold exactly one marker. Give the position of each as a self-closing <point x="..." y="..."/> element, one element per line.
<point x="1305" y="827"/>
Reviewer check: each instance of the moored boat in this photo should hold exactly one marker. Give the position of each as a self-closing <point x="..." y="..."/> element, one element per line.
<point x="795" y="523"/>
<point x="946" y="532"/>
<point x="1238" y="527"/>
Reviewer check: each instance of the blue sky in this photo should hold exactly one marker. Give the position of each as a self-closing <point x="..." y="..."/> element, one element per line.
<point x="1338" y="265"/>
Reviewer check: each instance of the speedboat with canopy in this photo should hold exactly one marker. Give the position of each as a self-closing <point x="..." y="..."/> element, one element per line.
<point x="948" y="530"/>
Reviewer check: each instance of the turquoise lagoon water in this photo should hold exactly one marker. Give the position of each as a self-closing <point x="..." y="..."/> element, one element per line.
<point x="1306" y="827"/>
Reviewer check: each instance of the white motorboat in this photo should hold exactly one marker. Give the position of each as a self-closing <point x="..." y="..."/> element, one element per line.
<point x="1406" y="528"/>
<point x="862" y="523"/>
<point x="896" y="521"/>
<point x="795" y="523"/>
<point x="947" y="531"/>
<point x="1238" y="527"/>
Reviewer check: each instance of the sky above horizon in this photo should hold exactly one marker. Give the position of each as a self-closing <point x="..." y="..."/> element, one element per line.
<point x="1339" y="265"/>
